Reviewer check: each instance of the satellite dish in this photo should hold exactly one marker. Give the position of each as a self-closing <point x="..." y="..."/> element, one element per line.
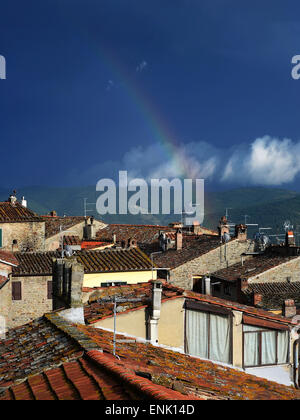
<point x="68" y="251"/>
<point x="287" y="225"/>
<point x="226" y="237"/>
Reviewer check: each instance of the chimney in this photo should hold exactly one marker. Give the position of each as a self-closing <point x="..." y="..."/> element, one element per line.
<point x="89" y="229"/>
<point x="132" y="243"/>
<point x="67" y="279"/>
<point x="53" y="213"/>
<point x="241" y="232"/>
<point x="114" y="238"/>
<point x="196" y="228"/>
<point x="207" y="285"/>
<point x="178" y="240"/>
<point x="289" y="308"/>
<point x="12" y="198"/>
<point x="223" y="226"/>
<point x="257" y="299"/>
<point x="290" y="238"/>
<point x="155" y="311"/>
<point x="24" y="202"/>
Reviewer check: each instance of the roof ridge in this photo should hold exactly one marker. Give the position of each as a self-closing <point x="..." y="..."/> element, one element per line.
<point x="71" y="330"/>
<point x="140" y="384"/>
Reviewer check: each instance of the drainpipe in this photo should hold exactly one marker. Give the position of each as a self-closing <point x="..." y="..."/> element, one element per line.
<point x="155" y="311"/>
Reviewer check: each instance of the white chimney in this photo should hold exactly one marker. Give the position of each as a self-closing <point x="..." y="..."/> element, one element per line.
<point x="24" y="202"/>
<point x="207" y="285"/>
<point x="155" y="311"/>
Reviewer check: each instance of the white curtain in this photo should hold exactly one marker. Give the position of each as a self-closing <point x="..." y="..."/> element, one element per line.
<point x="283" y="346"/>
<point x="219" y="338"/>
<point x="268" y="348"/>
<point x="197" y="336"/>
<point x="197" y="333"/>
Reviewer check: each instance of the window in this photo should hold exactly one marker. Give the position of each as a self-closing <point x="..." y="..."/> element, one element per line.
<point x="49" y="290"/>
<point x="263" y="347"/>
<point x="198" y="284"/>
<point x="115" y="283"/>
<point x="227" y="290"/>
<point x="16" y="290"/>
<point x="0" y="238"/>
<point x="208" y="335"/>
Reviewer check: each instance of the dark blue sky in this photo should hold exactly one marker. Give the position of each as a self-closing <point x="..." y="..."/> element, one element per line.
<point x="91" y="84"/>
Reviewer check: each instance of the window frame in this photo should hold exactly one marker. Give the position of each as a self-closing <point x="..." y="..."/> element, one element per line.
<point x="14" y="283"/>
<point x="260" y="332"/>
<point x="227" y="315"/>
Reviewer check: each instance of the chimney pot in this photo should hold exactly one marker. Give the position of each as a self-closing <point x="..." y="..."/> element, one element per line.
<point x="178" y="240"/>
<point x="289" y="308"/>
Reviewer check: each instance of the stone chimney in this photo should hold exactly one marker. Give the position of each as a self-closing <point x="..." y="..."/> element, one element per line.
<point x="178" y="240"/>
<point x="223" y="226"/>
<point x="13" y="198"/>
<point x="241" y="232"/>
<point x="67" y="280"/>
<point x="290" y="238"/>
<point x="53" y="213"/>
<point x="289" y="308"/>
<point x="155" y="311"/>
<point x="89" y="229"/>
<point x="257" y="299"/>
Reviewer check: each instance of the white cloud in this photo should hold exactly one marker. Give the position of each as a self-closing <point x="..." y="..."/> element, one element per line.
<point x="267" y="161"/>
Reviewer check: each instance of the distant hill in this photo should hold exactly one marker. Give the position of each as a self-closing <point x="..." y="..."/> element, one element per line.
<point x="268" y="207"/>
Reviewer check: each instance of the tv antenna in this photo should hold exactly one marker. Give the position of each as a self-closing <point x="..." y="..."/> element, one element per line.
<point x="85" y="206"/>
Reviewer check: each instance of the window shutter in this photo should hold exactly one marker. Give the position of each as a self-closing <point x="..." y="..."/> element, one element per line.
<point x="49" y="291"/>
<point x="16" y="290"/>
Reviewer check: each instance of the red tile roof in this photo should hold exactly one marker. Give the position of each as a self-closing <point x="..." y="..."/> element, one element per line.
<point x="11" y="213"/>
<point x="107" y="260"/>
<point x="142" y="370"/>
<point x="141" y="233"/>
<point x="100" y="304"/>
<point x="252" y="267"/>
<point x="190" y="375"/>
<point x="193" y="246"/>
<point x="94" y="244"/>
<point x="71" y="240"/>
<point x="8" y="257"/>
<point x="3" y="281"/>
<point x="112" y="260"/>
<point x="29" y="349"/>
<point x="54" y="223"/>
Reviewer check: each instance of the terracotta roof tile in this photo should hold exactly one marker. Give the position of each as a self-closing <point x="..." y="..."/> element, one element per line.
<point x="252" y="267"/>
<point x="193" y="246"/>
<point x="54" y="223"/>
<point x="28" y="349"/>
<point x="8" y="257"/>
<point x="100" y="304"/>
<point x="72" y="240"/>
<point x="10" y="213"/>
<point x="107" y="260"/>
<point x="141" y="233"/>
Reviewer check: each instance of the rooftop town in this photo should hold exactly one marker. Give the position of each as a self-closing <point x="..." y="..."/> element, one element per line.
<point x="99" y="311"/>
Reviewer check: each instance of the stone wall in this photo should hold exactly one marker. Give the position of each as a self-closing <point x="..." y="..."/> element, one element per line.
<point x="222" y="257"/>
<point x="34" y="303"/>
<point x="53" y="242"/>
<point x="280" y="273"/>
<point x="29" y="235"/>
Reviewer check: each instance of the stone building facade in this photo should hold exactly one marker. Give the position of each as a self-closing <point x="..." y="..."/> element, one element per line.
<point x="20" y="228"/>
<point x="186" y="271"/>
